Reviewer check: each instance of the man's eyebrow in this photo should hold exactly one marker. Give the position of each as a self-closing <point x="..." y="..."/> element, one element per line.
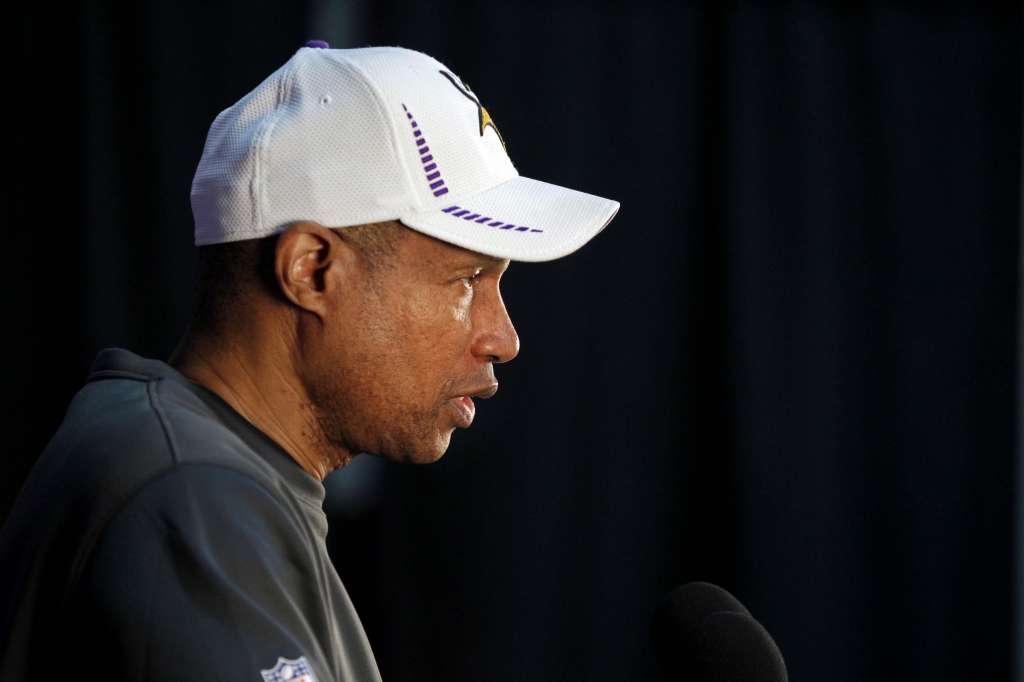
<point x="493" y="262"/>
<point x="479" y="260"/>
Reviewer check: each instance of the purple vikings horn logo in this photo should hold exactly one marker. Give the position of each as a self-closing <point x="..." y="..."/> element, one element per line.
<point x="484" y="118"/>
<point x="287" y="670"/>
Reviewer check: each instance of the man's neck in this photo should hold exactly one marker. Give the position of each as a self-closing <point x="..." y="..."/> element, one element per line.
<point x="250" y="378"/>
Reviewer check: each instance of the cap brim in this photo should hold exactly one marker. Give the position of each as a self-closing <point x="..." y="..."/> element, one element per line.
<point x="520" y="219"/>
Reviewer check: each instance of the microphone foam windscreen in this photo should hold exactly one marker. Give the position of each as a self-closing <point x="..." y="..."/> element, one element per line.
<point x="701" y="633"/>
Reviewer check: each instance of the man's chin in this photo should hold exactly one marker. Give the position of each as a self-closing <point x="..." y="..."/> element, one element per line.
<point x="425" y="451"/>
<point x="434" y="450"/>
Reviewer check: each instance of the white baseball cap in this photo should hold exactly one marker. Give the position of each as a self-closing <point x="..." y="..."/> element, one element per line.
<point x="348" y="137"/>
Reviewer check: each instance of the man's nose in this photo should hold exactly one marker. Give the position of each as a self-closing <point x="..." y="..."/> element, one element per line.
<point x="496" y="338"/>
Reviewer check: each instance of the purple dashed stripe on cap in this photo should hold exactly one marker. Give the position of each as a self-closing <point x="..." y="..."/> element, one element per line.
<point x="429" y="169"/>
<point x="466" y="214"/>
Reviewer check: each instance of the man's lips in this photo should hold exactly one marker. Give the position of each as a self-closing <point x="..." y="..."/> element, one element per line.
<point x="466" y="409"/>
<point x="464" y="403"/>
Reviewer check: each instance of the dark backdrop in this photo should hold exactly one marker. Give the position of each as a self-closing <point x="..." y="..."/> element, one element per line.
<point x="787" y="367"/>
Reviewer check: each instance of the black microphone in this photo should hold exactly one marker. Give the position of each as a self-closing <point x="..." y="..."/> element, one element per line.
<point x="701" y="633"/>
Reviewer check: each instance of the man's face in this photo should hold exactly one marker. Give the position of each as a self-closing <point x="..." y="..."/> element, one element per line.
<point x="408" y="348"/>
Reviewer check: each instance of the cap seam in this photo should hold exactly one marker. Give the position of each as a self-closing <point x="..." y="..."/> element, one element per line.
<point x="263" y="144"/>
<point x="381" y="104"/>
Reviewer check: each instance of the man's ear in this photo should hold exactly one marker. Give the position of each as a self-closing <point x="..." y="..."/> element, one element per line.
<point x="310" y="259"/>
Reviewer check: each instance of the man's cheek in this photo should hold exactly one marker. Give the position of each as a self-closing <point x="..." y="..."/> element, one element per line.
<point x="460" y="311"/>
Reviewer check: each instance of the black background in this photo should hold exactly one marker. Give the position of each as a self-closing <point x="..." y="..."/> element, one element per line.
<point x="787" y="367"/>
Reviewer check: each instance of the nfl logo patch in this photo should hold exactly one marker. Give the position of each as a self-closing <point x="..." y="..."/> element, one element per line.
<point x="298" y="670"/>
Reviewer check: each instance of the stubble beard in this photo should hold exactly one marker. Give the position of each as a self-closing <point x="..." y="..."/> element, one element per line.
<point x="352" y="416"/>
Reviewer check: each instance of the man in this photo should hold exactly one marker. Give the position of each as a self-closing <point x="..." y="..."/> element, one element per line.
<point x="355" y="214"/>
